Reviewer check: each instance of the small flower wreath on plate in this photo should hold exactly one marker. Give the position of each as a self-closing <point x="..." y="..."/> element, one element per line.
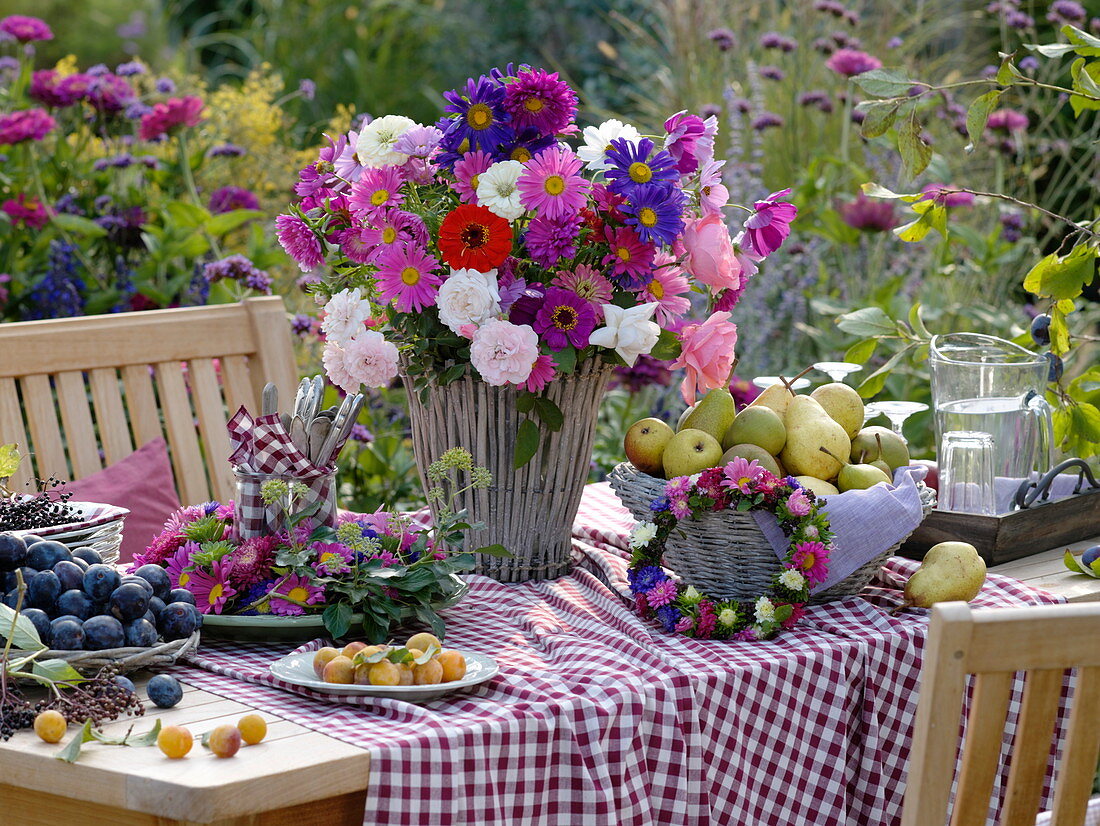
<point x="742" y="486"/>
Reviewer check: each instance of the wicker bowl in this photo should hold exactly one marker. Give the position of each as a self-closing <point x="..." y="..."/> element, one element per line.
<point x="724" y="553"/>
<point x="127" y="659"/>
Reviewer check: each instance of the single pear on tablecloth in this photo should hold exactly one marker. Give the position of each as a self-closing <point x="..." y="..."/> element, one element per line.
<point x="949" y="571"/>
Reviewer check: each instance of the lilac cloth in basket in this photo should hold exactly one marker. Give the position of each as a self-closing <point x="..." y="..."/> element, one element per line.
<point x="865" y="523"/>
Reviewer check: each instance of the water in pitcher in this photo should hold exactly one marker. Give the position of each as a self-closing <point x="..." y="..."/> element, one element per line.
<point x="1007" y="420"/>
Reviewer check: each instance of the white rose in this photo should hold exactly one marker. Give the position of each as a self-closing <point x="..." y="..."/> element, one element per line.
<point x="345" y="314"/>
<point x="630" y="332"/>
<point x="374" y="146"/>
<point x="468" y="297"/>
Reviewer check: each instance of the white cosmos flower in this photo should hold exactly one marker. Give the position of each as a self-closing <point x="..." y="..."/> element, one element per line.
<point x="374" y="146"/>
<point x="629" y="331"/>
<point x="643" y="534"/>
<point x="345" y="315"/>
<point x="468" y="297"/>
<point x="497" y="190"/>
<point x="597" y="140"/>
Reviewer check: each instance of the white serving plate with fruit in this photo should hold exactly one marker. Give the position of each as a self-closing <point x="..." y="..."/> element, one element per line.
<point x="300" y="669"/>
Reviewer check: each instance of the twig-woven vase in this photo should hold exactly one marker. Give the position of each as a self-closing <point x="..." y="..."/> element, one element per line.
<point x="528" y="510"/>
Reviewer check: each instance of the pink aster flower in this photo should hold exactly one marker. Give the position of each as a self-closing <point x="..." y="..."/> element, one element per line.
<point x="166" y="116"/>
<point x="504" y="353"/>
<point x="543" y="372"/>
<point x="25" y="29"/>
<point x="812" y="559"/>
<point x="345" y="162"/>
<point x="177" y="562"/>
<point x="294" y="593"/>
<point x="684" y="625"/>
<point x="539" y="99"/>
<point x="708" y="619"/>
<point x="212" y="590"/>
<point x="300" y="242"/>
<point x="849" y="62"/>
<point x="678" y="487"/>
<point x="550" y="184"/>
<point x="668" y="289"/>
<point x="684" y="132"/>
<point x="768" y="227"/>
<point x="630" y="260"/>
<point x="466" y="171"/>
<point x="392" y="227"/>
<point x="29" y="212"/>
<point x="662" y="593"/>
<point x="549" y="240"/>
<point x="741" y="474"/>
<point x="252" y="561"/>
<point x="868" y="214"/>
<point x="332" y="558"/>
<point x="25" y="125"/>
<point x="798" y="504"/>
<point x="377" y="189"/>
<point x="405" y="274"/>
<point x="1007" y="120"/>
<point x="746" y="635"/>
<point x="707" y="354"/>
<point x="680" y="508"/>
<point x="589" y="284"/>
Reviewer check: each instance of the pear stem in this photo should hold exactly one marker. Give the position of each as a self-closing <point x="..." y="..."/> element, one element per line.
<point x="824" y="449"/>
<point x="790" y="384"/>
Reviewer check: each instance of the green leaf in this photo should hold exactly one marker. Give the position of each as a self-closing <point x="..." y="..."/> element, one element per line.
<point x="399" y="655"/>
<point x="915" y="153"/>
<point x="337" y="619"/>
<point x="549" y="413"/>
<point x="57" y="670"/>
<point x="873" y="190"/>
<point x="187" y="215"/>
<point x="1085" y="44"/>
<point x="149" y="738"/>
<point x="494" y="550"/>
<point x="1061" y="278"/>
<point x="452" y="373"/>
<point x="527" y="442"/>
<point x="1086" y="421"/>
<point x="72" y="750"/>
<point x="916" y="322"/>
<point x="525" y="402"/>
<point x="874" y="382"/>
<point x="884" y="83"/>
<point x="25" y="635"/>
<point x="9" y="460"/>
<point x="1085" y="77"/>
<point x="433" y="649"/>
<point x="867" y="321"/>
<point x="978" y="114"/>
<point x="878" y="117"/>
<point x="428" y="616"/>
<point x="667" y="347"/>
<point x="1008" y="74"/>
<point x="1051" y="49"/>
<point x="566" y="360"/>
<point x="861" y="351"/>
<point x="79" y="225"/>
<point x="224" y="222"/>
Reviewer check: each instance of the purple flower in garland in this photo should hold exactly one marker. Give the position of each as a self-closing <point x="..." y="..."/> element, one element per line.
<point x="482" y="119"/>
<point x="549" y="240"/>
<point x="565" y="318"/>
<point x="630" y="164"/>
<point x="537" y="98"/>
<point x="293" y="590"/>
<point x="332" y="558"/>
<point x="669" y="616"/>
<point x="645" y="578"/>
<point x="252" y="561"/>
<point x="662" y="593"/>
<point x="655" y="213"/>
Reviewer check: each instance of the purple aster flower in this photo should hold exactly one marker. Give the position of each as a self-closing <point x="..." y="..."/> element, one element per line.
<point x="870" y="214"/>
<point x="772" y="73"/>
<point x="46" y="88"/>
<point x="655" y="213"/>
<point x="723" y="38"/>
<point x="669" y="617"/>
<point x="1016" y="19"/>
<point x="662" y="593"/>
<point x="645" y="578"/>
<point x="850" y="62"/>
<point x="345" y="162"/>
<point x="229" y="198"/>
<point x="418" y="142"/>
<point x="1066" y="11"/>
<point x="564" y="318"/>
<point x="631" y="165"/>
<point x="109" y="93"/>
<point x="658" y="505"/>
<point x="1029" y="63"/>
<point x="25" y="29"/>
<point x="766" y="120"/>
<point x="134" y="67"/>
<point x="307" y="88"/>
<point x="769" y="225"/>
<point x="301" y="324"/>
<point x="137" y="110"/>
<point x="893" y="42"/>
<point x="538" y="99"/>
<point x="226" y="150"/>
<point x="548" y="240"/>
<point x="482" y="119"/>
<point x="165" y="85"/>
<point x="360" y="433"/>
<point x="1011" y="224"/>
<point x="300" y="242"/>
<point x="524" y="145"/>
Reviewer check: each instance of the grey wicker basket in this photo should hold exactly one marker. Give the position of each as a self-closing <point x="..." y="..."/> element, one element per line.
<point x="126" y="659"/>
<point x="725" y="554"/>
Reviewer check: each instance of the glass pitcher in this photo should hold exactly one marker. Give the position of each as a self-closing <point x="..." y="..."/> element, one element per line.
<point x="982" y="383"/>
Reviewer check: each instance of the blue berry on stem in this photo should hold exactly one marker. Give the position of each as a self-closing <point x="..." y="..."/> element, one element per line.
<point x="1054" y="373"/>
<point x="1040" y="329"/>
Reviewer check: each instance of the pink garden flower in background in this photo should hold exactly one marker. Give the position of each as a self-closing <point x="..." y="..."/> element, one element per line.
<point x="26" y="29"/>
<point x="869" y="214"/>
<point x="1007" y="120"/>
<point x="29" y="212"/>
<point x="25" y="125"/>
<point x="768" y="227"/>
<point x="504" y="353"/>
<point x="941" y="194"/>
<point x="707" y="353"/>
<point x="710" y="255"/>
<point x="850" y="62"/>
<point x="166" y="116"/>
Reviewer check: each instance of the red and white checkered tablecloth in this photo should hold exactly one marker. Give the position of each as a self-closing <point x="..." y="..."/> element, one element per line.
<point x="599" y="717"/>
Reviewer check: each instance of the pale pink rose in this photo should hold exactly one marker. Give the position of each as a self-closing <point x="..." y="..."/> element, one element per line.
<point x="333" y="360"/>
<point x="707" y="355"/>
<point x="710" y="256"/>
<point x="504" y="353"/>
<point x="371" y="360"/>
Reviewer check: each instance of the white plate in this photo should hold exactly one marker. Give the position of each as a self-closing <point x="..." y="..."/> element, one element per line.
<point x="298" y="670"/>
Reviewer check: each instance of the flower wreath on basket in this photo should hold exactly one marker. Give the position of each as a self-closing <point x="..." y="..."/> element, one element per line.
<point x="739" y="486"/>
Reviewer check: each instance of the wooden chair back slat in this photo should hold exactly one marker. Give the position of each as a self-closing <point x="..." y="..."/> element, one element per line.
<point x="110" y="414"/>
<point x="12" y="431"/>
<point x="133" y="365"/>
<point x="212" y="416"/>
<point x="1043" y="641"/>
<point x="1038" y="714"/>
<point x="183" y="441"/>
<point x="982" y="747"/>
<point x="76" y="418"/>
<point x="47" y="449"/>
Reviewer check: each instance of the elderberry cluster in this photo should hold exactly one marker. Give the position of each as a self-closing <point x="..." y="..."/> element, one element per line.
<point x="100" y="699"/>
<point x="43" y="510"/>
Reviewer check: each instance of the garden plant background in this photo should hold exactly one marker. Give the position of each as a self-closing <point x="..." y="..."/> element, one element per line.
<point x="126" y="194"/>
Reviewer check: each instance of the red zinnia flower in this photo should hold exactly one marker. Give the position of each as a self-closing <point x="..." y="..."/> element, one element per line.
<point x="473" y="238"/>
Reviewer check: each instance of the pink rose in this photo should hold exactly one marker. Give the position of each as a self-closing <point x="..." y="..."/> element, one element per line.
<point x="710" y="255"/>
<point x="371" y="360"/>
<point x="707" y="352"/>
<point x="504" y="353"/>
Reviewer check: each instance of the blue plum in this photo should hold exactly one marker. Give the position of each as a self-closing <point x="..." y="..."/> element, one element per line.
<point x="66" y="634"/>
<point x="100" y="580"/>
<point x="103" y="632"/>
<point x="70" y="574"/>
<point x="42" y="556"/>
<point x="13" y="550"/>
<point x="89" y="555"/>
<point x="41" y="623"/>
<point x="140" y="633"/>
<point x="75" y="602"/>
<point x="164" y="691"/>
<point x="178" y="620"/>
<point x="136" y="580"/>
<point x="158" y="578"/>
<point x="43" y="590"/>
<point x="129" y="601"/>
<point x="180" y="595"/>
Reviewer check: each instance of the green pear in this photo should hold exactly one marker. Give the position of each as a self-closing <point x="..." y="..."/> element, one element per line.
<point x="757" y="426"/>
<point x="691" y="451"/>
<point x="885" y="468"/>
<point x="714" y="414"/>
<point x="809" y="428"/>
<point x="843" y="405"/>
<point x="777" y="397"/>
<point x="819" y="486"/>
<point x="950" y="571"/>
<point x="645" y="444"/>
<point x="750" y="452"/>
<point x="858" y="476"/>
<point x="879" y="442"/>
<point x="683" y="417"/>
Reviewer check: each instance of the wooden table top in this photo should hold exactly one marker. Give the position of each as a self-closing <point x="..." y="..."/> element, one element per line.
<point x="1045" y="570"/>
<point x="292" y="766"/>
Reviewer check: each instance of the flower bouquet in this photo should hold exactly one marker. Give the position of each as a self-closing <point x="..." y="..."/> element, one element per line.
<point x="373" y="570"/>
<point x="505" y="271"/>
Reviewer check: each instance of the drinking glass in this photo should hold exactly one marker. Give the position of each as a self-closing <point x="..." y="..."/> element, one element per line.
<point x="764" y="382"/>
<point x="966" y="472"/>
<point x="898" y="412"/>
<point x="837" y="370"/>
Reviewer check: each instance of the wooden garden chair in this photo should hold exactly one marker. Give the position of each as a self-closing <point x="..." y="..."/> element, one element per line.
<point x="1042" y="641"/>
<point x="120" y="381"/>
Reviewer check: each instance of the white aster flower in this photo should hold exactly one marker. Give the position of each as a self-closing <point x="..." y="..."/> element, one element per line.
<point x="727" y="617"/>
<point x="345" y="315"/>
<point x="468" y="297"/>
<point x="374" y="146"/>
<point x="765" y="610"/>
<point x="497" y="190"/>
<point x="811" y="532"/>
<point x="629" y="331"/>
<point x="643" y="534"/>
<point x="597" y="140"/>
<point x="792" y="579"/>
